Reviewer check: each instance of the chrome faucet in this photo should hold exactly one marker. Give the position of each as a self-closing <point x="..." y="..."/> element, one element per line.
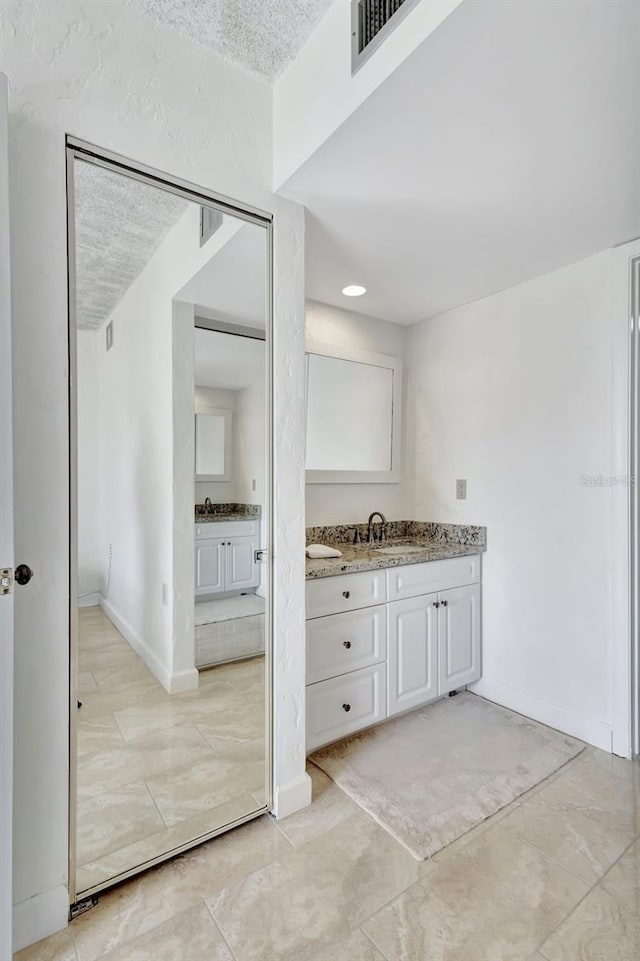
<point x="371" y="534"/>
<point x="208" y="507"/>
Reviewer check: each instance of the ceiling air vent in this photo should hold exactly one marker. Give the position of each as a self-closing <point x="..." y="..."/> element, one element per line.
<point x="371" y="23"/>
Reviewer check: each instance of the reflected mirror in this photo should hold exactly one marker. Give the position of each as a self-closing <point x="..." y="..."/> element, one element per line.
<point x="169" y="513"/>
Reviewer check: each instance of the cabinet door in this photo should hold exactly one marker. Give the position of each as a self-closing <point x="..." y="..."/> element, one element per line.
<point x="412" y="653"/>
<point x="242" y="570"/>
<point x="459" y="637"/>
<point x="210" y="565"/>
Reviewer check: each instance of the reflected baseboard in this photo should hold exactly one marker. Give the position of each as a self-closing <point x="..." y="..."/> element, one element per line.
<point x="173" y="683"/>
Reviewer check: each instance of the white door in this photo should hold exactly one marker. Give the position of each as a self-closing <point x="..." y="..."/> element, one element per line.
<point x="412" y="652"/>
<point x="459" y="637"/>
<point x="6" y="545"/>
<point x="210" y="566"/>
<point x="242" y="570"/>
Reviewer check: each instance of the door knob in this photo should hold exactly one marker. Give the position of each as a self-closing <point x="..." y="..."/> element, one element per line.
<point x="23" y="574"/>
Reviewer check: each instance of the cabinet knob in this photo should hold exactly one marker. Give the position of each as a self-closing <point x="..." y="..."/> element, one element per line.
<point x="346" y="594"/>
<point x="347" y="644"/>
<point x="436" y="603"/>
<point x="346" y="707"/>
<point x="445" y="603"/>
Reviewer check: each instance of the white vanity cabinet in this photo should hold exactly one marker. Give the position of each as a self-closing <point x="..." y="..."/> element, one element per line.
<point x="225" y="557"/>
<point x="383" y="642"/>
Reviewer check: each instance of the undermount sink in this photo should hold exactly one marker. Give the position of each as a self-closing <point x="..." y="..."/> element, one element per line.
<point x="400" y="549"/>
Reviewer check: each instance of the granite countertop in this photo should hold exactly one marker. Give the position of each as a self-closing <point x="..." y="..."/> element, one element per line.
<point x="219" y="518"/>
<point x="364" y="557"/>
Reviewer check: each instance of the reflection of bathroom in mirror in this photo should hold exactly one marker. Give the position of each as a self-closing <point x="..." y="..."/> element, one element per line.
<point x="229" y="578"/>
<point x="354" y="402"/>
<point x="169" y="735"/>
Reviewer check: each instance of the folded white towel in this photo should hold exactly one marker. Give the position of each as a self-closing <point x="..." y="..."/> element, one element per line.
<point x="319" y="550"/>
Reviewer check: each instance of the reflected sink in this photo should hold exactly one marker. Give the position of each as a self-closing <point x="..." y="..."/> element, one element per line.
<point x="400" y="549"/>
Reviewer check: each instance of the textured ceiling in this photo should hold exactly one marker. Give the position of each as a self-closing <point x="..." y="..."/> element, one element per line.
<point x="261" y="35"/>
<point x="119" y="223"/>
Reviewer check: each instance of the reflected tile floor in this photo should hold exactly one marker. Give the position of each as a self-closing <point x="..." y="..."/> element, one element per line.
<point x="553" y="877"/>
<point x="156" y="770"/>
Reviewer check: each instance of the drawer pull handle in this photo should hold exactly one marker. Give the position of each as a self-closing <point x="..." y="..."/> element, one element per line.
<point x="347" y="644"/>
<point x="346" y="594"/>
<point x="346" y="707"/>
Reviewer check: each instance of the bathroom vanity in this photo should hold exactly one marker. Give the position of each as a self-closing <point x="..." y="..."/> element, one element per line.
<point x="225" y="554"/>
<point x="388" y="632"/>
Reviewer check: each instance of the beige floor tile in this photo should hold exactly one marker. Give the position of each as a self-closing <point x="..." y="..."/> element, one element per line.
<point x="158" y="710"/>
<point x="97" y="734"/>
<point x="233" y="719"/>
<point x="162" y="842"/>
<point x="619" y="766"/>
<point x="113" y="820"/>
<point x="190" y="936"/>
<point x="105" y="702"/>
<point x="183" y="793"/>
<point x="320" y="893"/>
<point x="602" y="928"/>
<point x="496" y="900"/>
<point x="58" y="947"/>
<point x="165" y="751"/>
<point x="583" y="820"/>
<point x="137" y="906"/>
<point x="86" y="682"/>
<point x="329" y="807"/>
<point x="355" y="947"/>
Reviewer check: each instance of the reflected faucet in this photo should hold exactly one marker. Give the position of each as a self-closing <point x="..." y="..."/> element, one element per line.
<point x="208" y="506"/>
<point x="371" y="534"/>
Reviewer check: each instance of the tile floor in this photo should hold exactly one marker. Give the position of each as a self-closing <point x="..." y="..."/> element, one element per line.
<point x="553" y="877"/>
<point x="156" y="770"/>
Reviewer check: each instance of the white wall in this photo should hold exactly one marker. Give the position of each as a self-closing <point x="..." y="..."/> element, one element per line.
<point x="346" y="503"/>
<point x="105" y="73"/>
<point x="317" y="93"/>
<point x="90" y="558"/>
<point x="517" y="394"/>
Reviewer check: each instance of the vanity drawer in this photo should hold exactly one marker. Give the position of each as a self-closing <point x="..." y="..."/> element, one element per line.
<point x="227" y="529"/>
<point x="332" y="595"/>
<point x="342" y="705"/>
<point x="433" y="576"/>
<point x="345" y="642"/>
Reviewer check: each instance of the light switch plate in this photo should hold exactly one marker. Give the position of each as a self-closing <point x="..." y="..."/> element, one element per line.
<point x="461" y="490"/>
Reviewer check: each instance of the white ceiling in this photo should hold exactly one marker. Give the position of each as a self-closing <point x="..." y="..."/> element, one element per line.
<point x="232" y="285"/>
<point x="506" y="146"/>
<point x="262" y="36"/>
<point x="119" y="223"/>
<point x="228" y="362"/>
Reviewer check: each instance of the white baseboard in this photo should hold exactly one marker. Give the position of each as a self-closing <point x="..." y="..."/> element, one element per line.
<point x="184" y="681"/>
<point x="586" y="729"/>
<point x="89" y="600"/>
<point x="156" y="667"/>
<point x="40" y="916"/>
<point x="292" y="797"/>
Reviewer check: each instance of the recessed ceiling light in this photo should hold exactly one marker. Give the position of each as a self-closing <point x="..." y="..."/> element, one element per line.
<point x="354" y="290"/>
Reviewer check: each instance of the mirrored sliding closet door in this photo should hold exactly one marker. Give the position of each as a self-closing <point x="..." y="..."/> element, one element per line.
<point x="170" y="331"/>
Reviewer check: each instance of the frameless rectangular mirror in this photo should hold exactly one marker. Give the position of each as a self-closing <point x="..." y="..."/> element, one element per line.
<point x="170" y="603"/>
<point x="214" y="430"/>
<point x="353" y="416"/>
